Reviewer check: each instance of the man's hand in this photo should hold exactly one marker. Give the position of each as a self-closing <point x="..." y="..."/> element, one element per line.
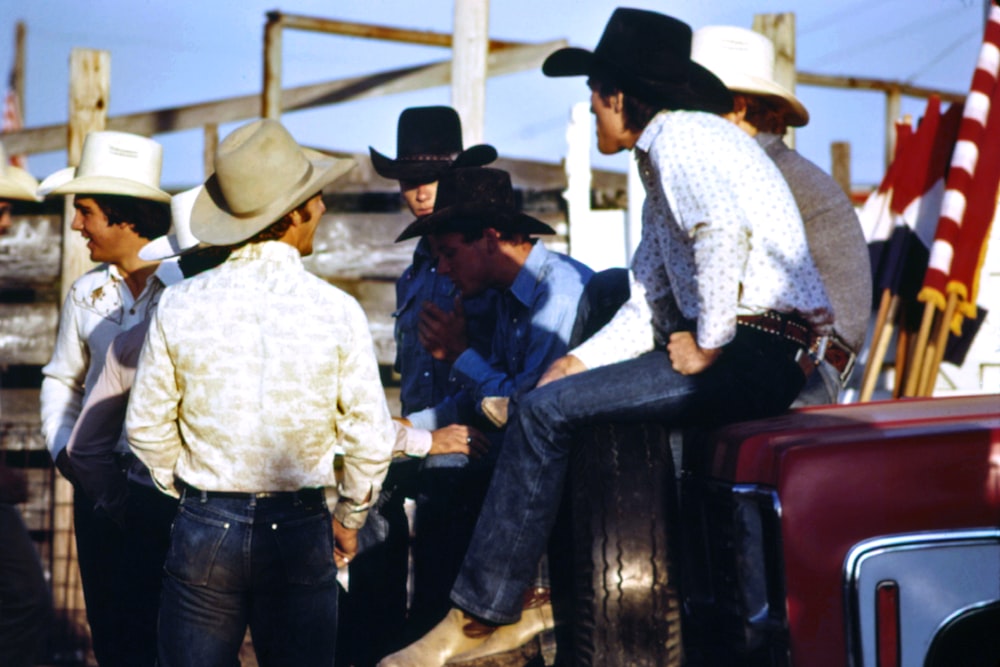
<point x="345" y="545"/>
<point x="459" y="439"/>
<point x="560" y="368"/>
<point x="685" y="355"/>
<point x="441" y="333"/>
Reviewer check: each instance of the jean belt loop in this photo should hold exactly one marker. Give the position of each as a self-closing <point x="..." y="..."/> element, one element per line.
<point x="203" y="496"/>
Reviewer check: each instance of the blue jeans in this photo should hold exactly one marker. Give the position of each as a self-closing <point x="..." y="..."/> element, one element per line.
<point x="233" y="562"/>
<point x="755" y="376"/>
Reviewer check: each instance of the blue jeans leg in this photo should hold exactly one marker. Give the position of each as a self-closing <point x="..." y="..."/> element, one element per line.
<point x="266" y="564"/>
<point x="754" y="377"/>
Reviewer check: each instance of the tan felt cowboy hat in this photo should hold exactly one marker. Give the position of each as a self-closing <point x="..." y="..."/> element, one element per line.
<point x="260" y="175"/>
<point x="179" y="240"/>
<point x="744" y="60"/>
<point x="647" y="55"/>
<point x="116" y="163"/>
<point x="474" y="198"/>
<point x="429" y="141"/>
<point x="16" y="183"/>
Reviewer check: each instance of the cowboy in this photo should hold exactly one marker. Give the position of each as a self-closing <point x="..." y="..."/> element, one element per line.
<point x="110" y="475"/>
<point x="744" y="61"/>
<point x="723" y="259"/>
<point x="253" y="377"/>
<point x="433" y="324"/>
<point x="119" y="208"/>
<point x="482" y="241"/>
<point x="25" y="604"/>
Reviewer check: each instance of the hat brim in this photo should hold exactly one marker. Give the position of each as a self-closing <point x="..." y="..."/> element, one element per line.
<point x="110" y="185"/>
<point x="16" y="183"/>
<point x="165" y="247"/>
<point x="467" y="217"/>
<point x="213" y="222"/>
<point x="428" y="170"/>
<point x="696" y="89"/>
<point x="739" y="82"/>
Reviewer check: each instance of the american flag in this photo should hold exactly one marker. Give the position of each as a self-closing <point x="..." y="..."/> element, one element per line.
<point x="12" y="121"/>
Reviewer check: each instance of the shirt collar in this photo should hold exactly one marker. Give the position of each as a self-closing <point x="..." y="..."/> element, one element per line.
<point x="530" y="274"/>
<point x="651" y="131"/>
<point x="274" y="251"/>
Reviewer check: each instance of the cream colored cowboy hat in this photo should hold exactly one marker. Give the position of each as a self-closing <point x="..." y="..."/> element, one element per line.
<point x="56" y="179"/>
<point x="179" y="240"/>
<point x="744" y="60"/>
<point x="260" y="175"/>
<point x="16" y="183"/>
<point x="117" y="163"/>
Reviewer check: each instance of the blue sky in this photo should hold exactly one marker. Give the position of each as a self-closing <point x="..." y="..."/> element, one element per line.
<point x="181" y="52"/>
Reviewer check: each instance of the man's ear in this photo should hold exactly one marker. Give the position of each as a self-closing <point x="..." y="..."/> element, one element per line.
<point x="492" y="238"/>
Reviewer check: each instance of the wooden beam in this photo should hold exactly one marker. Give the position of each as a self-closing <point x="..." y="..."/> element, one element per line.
<point x="840" y="158"/>
<point x="271" y="96"/>
<point x="234" y="109"/>
<point x="884" y="85"/>
<point x="368" y="31"/>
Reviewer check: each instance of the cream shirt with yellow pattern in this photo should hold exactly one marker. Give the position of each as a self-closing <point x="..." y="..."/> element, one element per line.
<point x="254" y="375"/>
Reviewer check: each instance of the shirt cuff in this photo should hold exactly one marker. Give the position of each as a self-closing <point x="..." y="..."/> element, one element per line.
<point x="415" y="442"/>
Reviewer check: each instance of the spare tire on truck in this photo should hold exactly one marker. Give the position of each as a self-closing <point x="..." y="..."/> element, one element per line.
<point x="622" y="503"/>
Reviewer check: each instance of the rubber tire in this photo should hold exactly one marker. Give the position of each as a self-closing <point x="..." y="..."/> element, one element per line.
<point x="622" y="503"/>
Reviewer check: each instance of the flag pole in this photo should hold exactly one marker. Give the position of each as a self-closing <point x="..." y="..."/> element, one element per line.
<point x="935" y="352"/>
<point x="919" y="350"/>
<point x="880" y="344"/>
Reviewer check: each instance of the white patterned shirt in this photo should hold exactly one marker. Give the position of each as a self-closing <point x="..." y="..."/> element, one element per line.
<point x="254" y="375"/>
<point x="99" y="306"/>
<point x="721" y="237"/>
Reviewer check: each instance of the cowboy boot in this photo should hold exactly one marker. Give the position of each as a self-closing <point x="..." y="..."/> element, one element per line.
<point x="457" y="633"/>
<point x="535" y="618"/>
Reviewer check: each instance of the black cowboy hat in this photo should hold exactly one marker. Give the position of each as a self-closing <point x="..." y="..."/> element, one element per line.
<point x="647" y="55"/>
<point x="429" y="141"/>
<point x="469" y="199"/>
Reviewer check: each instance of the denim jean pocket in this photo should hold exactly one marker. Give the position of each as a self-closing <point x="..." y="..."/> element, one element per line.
<point x="305" y="546"/>
<point x="195" y="541"/>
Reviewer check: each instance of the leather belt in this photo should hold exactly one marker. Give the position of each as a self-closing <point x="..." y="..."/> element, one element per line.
<point x="301" y="495"/>
<point x="819" y="348"/>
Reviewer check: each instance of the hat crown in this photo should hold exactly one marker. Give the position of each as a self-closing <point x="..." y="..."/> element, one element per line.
<point x="730" y="50"/>
<point x="121" y="155"/>
<point x="650" y="44"/>
<point x="257" y="165"/>
<point x="475" y="188"/>
<point x="428" y="133"/>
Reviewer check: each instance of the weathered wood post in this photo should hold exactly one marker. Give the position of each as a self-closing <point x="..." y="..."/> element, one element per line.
<point x="470" y="45"/>
<point x="271" y="99"/>
<point x="840" y="160"/>
<point x="780" y="29"/>
<point x="89" y="94"/>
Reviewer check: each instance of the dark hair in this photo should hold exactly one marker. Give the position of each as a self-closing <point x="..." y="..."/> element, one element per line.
<point x="636" y="113"/>
<point x="150" y="219"/>
<point x="272" y="232"/>
<point x="767" y="113"/>
<point x="202" y="259"/>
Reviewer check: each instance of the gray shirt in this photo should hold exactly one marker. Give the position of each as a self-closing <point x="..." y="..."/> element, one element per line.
<point x="835" y="239"/>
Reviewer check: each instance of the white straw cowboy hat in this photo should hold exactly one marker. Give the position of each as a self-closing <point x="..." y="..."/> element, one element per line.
<point x="117" y="163"/>
<point x="260" y="175"/>
<point x="55" y="180"/>
<point x="744" y="60"/>
<point x="179" y="240"/>
<point x="16" y="183"/>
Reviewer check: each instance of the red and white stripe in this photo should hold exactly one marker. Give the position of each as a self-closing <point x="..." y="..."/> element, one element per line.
<point x="955" y="221"/>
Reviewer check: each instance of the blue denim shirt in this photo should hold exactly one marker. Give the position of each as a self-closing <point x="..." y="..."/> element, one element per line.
<point x="534" y="321"/>
<point x="424" y="380"/>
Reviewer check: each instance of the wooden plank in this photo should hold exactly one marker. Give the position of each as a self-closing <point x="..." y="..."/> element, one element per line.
<point x="840" y="158"/>
<point x="780" y="29"/>
<point x="469" y="49"/>
<point x="234" y="109"/>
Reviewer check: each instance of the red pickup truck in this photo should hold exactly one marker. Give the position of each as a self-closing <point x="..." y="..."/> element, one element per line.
<point x="863" y="535"/>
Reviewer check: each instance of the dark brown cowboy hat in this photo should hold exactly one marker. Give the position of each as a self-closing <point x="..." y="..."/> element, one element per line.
<point x="429" y="141"/>
<point x="647" y="55"/>
<point x="469" y="199"/>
